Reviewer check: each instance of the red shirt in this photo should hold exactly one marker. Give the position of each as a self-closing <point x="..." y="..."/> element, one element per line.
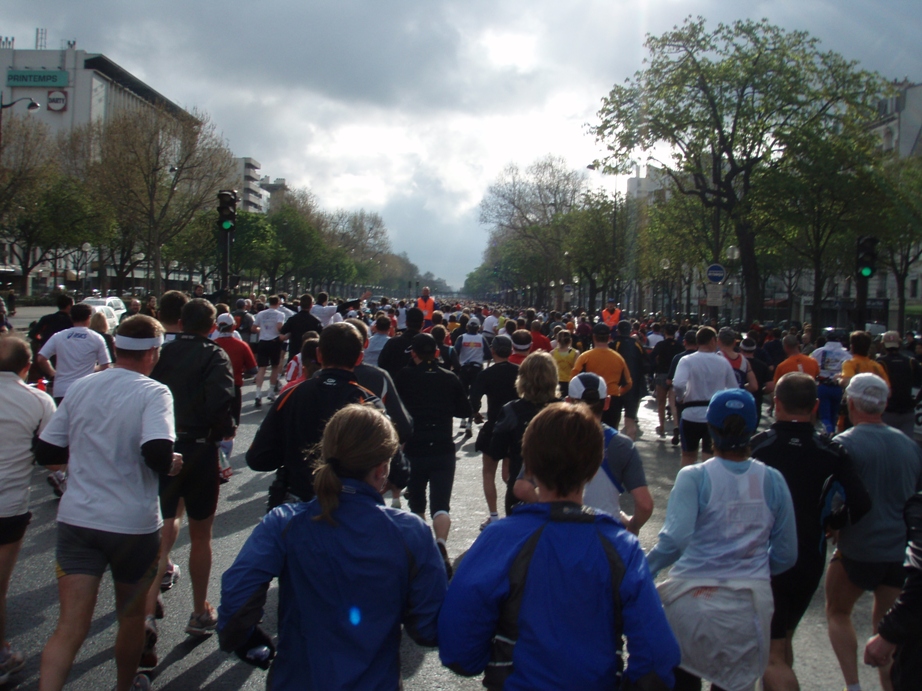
<point x="540" y="342"/>
<point x="240" y="354"/>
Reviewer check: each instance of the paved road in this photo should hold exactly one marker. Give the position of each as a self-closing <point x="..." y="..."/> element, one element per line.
<point x="187" y="664"/>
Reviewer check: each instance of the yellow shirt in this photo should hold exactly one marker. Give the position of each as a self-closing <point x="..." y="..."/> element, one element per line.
<point x="859" y="364"/>
<point x="565" y="362"/>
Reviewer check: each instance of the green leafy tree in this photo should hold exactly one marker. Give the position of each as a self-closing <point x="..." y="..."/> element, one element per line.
<point x="726" y="104"/>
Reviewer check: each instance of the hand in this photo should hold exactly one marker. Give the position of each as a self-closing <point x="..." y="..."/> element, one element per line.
<point x="176" y="466"/>
<point x="257" y="639"/>
<point x="878" y="652"/>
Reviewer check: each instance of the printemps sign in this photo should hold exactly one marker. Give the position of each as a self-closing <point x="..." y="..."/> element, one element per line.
<point x="46" y="78"/>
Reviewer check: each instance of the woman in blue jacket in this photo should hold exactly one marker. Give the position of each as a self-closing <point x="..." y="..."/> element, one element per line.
<point x="351" y="571"/>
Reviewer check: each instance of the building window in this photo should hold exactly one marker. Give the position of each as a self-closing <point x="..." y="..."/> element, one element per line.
<point x="914" y="288"/>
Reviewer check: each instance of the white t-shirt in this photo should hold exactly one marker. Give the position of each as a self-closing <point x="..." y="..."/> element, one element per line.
<point x="79" y="350"/>
<point x="104" y="421"/>
<point x="269" y="321"/>
<point x="24" y="412"/>
<point x="653" y="338"/>
<point x="324" y="314"/>
<point x="491" y="325"/>
<point x="698" y="377"/>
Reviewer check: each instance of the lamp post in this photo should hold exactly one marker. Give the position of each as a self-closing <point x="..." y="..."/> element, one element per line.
<point x="733" y="254"/>
<point x="86" y="263"/>
<point x="32" y="107"/>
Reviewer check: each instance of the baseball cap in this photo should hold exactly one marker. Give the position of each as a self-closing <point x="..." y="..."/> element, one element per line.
<point x="601" y="329"/>
<point x="869" y="388"/>
<point x="423" y="345"/>
<point x="732" y="402"/>
<point x="587" y="387"/>
<point x="226" y="320"/>
<point x="473" y="321"/>
<point x="891" y="339"/>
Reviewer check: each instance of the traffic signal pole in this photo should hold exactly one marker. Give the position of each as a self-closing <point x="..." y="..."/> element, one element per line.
<point x="865" y="267"/>
<point x="227" y="221"/>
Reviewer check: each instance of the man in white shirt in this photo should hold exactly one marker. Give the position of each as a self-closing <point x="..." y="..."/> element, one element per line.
<point x="697" y="378"/>
<point x="24" y="413"/>
<point x="80" y="351"/>
<point x="269" y="347"/>
<point x="113" y="485"/>
<point x="491" y="326"/>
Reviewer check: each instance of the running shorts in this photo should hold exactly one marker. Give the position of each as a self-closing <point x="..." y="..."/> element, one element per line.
<point x="867" y="575"/>
<point x="484" y="437"/>
<point x="439" y="473"/>
<point x="86" y="551"/>
<point x="628" y="403"/>
<point x="269" y="353"/>
<point x="197" y="483"/>
<point x="792" y="591"/>
<point x="13" y="528"/>
<point x="693" y="433"/>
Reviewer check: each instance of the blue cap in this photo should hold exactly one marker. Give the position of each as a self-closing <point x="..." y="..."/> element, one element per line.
<point x="733" y="402"/>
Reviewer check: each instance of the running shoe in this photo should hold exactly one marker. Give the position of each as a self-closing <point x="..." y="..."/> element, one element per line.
<point x="488" y="521"/>
<point x="449" y="571"/>
<point x="58" y="482"/>
<point x="149" y="653"/>
<point x="468" y="433"/>
<point x="258" y="403"/>
<point x="141" y="683"/>
<point x="10" y="662"/>
<point x="271" y="396"/>
<point x="170" y="577"/>
<point x="203" y="624"/>
<point x="675" y="437"/>
<point x="660" y="431"/>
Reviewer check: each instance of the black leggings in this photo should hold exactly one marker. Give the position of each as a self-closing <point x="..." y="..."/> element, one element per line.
<point x="685" y="681"/>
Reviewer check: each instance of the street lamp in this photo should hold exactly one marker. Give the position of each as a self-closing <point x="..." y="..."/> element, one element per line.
<point x="32" y="107"/>
<point x="86" y="263"/>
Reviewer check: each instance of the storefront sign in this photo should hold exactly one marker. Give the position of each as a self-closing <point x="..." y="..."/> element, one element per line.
<point x="56" y="78"/>
<point x="57" y="100"/>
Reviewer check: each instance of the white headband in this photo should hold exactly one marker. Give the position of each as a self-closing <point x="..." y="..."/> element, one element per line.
<point x="129" y="343"/>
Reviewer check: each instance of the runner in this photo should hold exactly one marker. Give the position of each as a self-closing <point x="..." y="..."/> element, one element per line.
<point x="433" y="396"/>
<point x="830" y="358"/>
<point x="473" y="353"/>
<point x="268" y="324"/>
<point x="795" y="360"/>
<point x="609" y="365"/>
<point x="425" y="303"/>
<point x="79" y="351"/>
<point x="661" y="357"/>
<point x="111" y="475"/>
<point x="497" y="383"/>
<point x="718" y="597"/>
<point x="587" y="586"/>
<point x="395" y="355"/>
<point x="902" y="373"/>
<point x="636" y="359"/>
<point x="811" y="465"/>
<point x="869" y="554"/>
<point x="299" y="324"/>
<point x="338" y="631"/>
<point x="24" y="413"/>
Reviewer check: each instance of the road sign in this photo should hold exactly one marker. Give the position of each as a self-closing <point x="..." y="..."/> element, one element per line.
<point x="716" y="273"/>
<point x="568" y="289"/>
<point x="715" y="295"/>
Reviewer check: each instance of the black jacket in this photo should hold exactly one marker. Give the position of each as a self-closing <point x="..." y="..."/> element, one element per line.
<point x="903" y="623"/>
<point x="379" y="382"/>
<point x="395" y="355"/>
<point x="434" y="396"/>
<point x="497" y="383"/>
<point x="808" y="462"/>
<point x="296" y="326"/>
<point x="294" y="425"/>
<point x="201" y="378"/>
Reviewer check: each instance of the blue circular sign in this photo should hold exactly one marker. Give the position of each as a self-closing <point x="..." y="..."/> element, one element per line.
<point x="716" y="273"/>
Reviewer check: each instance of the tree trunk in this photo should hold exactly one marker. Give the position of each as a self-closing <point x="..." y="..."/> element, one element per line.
<point x="750" y="268"/>
<point x="900" y="300"/>
<point x="817" y="310"/>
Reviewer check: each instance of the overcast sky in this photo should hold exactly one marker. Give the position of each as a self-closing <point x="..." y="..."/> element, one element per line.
<point x="411" y="108"/>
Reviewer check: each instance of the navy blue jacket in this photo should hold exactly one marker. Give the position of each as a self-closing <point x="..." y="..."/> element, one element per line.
<point x="344" y="591"/>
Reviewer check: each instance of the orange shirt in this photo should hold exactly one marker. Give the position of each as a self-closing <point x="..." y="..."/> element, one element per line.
<point x="607" y="364"/>
<point x="798" y="363"/>
<point x="427" y="305"/>
<point x="859" y="364"/>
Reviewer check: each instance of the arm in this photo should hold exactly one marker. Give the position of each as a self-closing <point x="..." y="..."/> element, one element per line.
<point x="477" y="391"/>
<point x="219" y="394"/>
<point x="857" y="500"/>
<point x="653" y="648"/>
<point x="904" y="621"/>
<point x="752" y="384"/>
<point x="427" y="588"/>
<point x="643" y="509"/>
<point x="681" y="515"/>
<point x="396" y="410"/>
<point x="680" y="380"/>
<point x="158" y="456"/>
<point x="462" y="402"/>
<point x="44" y="365"/>
<point x="267" y="452"/>
<point x="782" y="550"/>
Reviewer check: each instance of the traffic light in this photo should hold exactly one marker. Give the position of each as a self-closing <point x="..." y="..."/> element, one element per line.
<point x="866" y="256"/>
<point x="227" y="209"/>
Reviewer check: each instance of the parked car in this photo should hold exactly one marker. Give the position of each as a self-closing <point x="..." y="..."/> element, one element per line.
<point x="114" y="303"/>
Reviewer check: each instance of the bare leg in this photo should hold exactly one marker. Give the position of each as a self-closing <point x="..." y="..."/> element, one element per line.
<point x="8" y="555"/>
<point x="441" y="524"/>
<point x="884" y="597"/>
<point x="77" y="594"/>
<point x="778" y="675"/>
<point x="274" y="376"/>
<point x="630" y="427"/>
<point x="489" y="482"/>
<point x="168" y="535"/>
<point x="689" y="457"/>
<point x="129" y="606"/>
<point x="200" y="562"/>
<point x="841" y="596"/>
<point x="260" y="376"/>
<point x="661" y="406"/>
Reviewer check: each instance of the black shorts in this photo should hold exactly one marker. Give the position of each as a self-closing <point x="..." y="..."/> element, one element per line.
<point x="867" y="575"/>
<point x="132" y="558"/>
<point x="13" y="528"/>
<point x="628" y="404"/>
<point x="439" y="473"/>
<point x="693" y="433"/>
<point x="792" y="591"/>
<point x="484" y="437"/>
<point x="197" y="482"/>
<point x="269" y="353"/>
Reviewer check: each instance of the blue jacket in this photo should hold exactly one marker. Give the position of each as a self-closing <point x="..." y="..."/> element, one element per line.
<point x="542" y="599"/>
<point x="344" y="591"/>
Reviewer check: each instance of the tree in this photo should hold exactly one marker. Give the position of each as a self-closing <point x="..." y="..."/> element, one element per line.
<point x="159" y="171"/>
<point x="727" y="103"/>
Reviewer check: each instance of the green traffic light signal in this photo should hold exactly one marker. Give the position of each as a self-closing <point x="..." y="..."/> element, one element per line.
<point x="227" y="225"/>
<point x="866" y="271"/>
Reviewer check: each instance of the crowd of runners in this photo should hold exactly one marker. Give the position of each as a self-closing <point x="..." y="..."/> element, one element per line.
<point x="359" y="408"/>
